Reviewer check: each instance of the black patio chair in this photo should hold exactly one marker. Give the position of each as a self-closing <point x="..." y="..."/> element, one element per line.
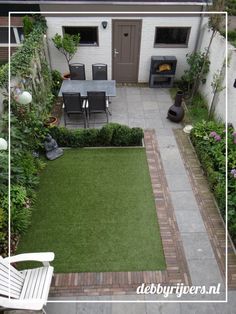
<point x="77" y="71"/>
<point x="97" y="103"/>
<point x="99" y="71"/>
<point x="73" y="104"/>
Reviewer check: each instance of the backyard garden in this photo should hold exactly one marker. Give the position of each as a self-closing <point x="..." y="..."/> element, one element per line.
<point x="94" y="206"/>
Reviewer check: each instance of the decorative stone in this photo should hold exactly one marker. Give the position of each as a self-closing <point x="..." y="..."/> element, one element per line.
<point x="52" y="149"/>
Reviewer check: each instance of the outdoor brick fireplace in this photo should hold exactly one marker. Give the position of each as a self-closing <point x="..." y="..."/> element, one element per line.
<point x="162" y="71"/>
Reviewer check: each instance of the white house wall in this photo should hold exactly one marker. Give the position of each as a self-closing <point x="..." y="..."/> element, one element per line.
<point x="85" y="54"/>
<point x="147" y="41"/>
<point x="103" y="53"/>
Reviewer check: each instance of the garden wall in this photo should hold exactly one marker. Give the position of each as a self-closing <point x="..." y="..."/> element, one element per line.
<point x="217" y="58"/>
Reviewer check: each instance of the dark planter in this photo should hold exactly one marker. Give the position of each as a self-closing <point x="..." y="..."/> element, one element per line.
<point x="176" y="111"/>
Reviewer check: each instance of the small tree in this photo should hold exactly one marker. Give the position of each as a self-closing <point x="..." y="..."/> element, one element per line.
<point x="67" y="45"/>
<point x="215" y="23"/>
<point x="195" y="61"/>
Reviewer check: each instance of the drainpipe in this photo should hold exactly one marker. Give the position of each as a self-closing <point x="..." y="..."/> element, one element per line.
<point x="199" y="33"/>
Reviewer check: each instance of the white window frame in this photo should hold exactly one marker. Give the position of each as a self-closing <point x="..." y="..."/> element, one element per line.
<point x="17" y="37"/>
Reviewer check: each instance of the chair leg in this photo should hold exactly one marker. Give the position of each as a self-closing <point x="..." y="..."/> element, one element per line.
<point x="85" y="120"/>
<point x="107" y="116"/>
<point x="44" y="312"/>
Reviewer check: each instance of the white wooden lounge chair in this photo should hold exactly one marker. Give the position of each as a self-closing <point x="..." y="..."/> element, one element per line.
<point x="27" y="289"/>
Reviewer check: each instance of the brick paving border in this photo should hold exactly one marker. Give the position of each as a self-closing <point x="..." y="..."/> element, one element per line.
<point x="210" y="214"/>
<point x="107" y="283"/>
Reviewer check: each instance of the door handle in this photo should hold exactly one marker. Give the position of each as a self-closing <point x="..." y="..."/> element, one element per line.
<point x="115" y="52"/>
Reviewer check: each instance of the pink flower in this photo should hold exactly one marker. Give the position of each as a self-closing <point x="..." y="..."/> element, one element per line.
<point x="213" y="134"/>
<point x="218" y="138"/>
<point x="234" y="134"/>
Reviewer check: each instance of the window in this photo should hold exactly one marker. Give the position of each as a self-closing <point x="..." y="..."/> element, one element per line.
<point x="172" y="36"/>
<point x="88" y="34"/>
<point x="16" y="35"/>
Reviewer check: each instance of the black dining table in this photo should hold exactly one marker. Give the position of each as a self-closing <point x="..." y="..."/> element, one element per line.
<point x="83" y="86"/>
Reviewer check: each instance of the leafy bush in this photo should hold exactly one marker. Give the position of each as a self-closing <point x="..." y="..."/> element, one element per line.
<point x="56" y="82"/>
<point x="112" y="134"/>
<point x="209" y="139"/>
<point x="195" y="61"/>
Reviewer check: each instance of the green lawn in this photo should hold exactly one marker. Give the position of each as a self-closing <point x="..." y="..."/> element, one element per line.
<point x="95" y="209"/>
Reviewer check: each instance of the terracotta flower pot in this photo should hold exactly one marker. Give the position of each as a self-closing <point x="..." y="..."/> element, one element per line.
<point x="51" y="121"/>
<point x="66" y="76"/>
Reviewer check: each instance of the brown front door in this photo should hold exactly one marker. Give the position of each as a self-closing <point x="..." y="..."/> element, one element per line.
<point x="126" y="36"/>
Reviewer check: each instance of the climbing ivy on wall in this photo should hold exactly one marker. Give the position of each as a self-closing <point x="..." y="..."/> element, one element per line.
<point x="29" y="71"/>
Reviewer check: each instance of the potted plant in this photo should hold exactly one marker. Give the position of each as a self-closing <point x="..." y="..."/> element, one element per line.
<point x="67" y="45"/>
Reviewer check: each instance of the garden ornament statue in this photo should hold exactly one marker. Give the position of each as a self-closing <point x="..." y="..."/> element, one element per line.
<point x="52" y="149"/>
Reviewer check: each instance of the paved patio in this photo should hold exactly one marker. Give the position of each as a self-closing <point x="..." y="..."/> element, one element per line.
<point x="199" y="227"/>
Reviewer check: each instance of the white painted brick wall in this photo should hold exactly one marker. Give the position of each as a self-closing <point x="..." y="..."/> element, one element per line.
<point x="147" y="41"/>
<point x="103" y="53"/>
<point x="217" y="58"/>
<point x="87" y="54"/>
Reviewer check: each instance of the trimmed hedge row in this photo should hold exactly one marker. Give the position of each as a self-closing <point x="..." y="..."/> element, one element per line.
<point x="209" y="140"/>
<point x="112" y="134"/>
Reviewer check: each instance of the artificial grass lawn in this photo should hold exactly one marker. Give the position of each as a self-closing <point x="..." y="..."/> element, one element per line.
<point x="95" y="210"/>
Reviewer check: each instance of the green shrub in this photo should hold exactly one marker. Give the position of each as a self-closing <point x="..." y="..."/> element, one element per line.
<point x="20" y="209"/>
<point x="136" y="137"/>
<point x="56" y="82"/>
<point x="209" y="139"/>
<point x="121" y="136"/>
<point x="106" y="133"/>
<point x="112" y="134"/>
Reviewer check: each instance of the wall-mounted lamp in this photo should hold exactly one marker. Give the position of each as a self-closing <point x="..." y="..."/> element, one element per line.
<point x="234" y="83"/>
<point x="104" y="24"/>
<point x="3" y="144"/>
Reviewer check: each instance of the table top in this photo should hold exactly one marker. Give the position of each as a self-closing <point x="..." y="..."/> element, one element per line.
<point x="83" y="86"/>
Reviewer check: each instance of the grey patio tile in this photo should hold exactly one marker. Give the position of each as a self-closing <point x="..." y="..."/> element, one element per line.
<point x="134" y="99"/>
<point x="95" y="308"/>
<point x="197" y="245"/>
<point x="168" y="124"/>
<point x="172" y="161"/>
<point x="153" y="123"/>
<point x="164" y="97"/>
<point x="205" y="273"/>
<point x="152" y="114"/>
<point x="149" y="105"/>
<point x="122" y="119"/>
<point x="163" y="132"/>
<point x="137" y="123"/>
<point x="61" y="308"/>
<point x="178" y="182"/>
<point x="182" y="200"/>
<point x="197" y="308"/>
<point x="189" y="221"/>
<point x="128" y="297"/>
<point x="166" y="141"/>
<point x="133" y="91"/>
<point x="163" y="308"/>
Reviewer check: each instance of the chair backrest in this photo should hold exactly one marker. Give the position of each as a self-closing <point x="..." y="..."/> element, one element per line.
<point x="16" y="280"/>
<point x="99" y="71"/>
<point x="77" y="71"/>
<point x="97" y="101"/>
<point x="72" y="102"/>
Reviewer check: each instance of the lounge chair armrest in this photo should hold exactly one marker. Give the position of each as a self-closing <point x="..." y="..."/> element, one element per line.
<point x="85" y="103"/>
<point x="107" y="103"/>
<point x="44" y="257"/>
<point x="27" y="304"/>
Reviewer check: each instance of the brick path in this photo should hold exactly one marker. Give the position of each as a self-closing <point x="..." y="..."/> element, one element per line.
<point x="126" y="282"/>
<point x="213" y="222"/>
